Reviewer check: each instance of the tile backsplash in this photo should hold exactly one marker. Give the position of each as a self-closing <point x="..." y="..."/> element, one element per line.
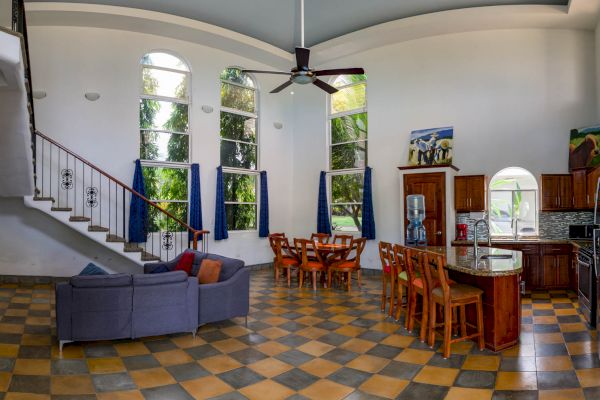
<point x="552" y="225"/>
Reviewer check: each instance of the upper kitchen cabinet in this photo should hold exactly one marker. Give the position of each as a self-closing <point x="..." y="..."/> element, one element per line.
<point x="580" y="192"/>
<point x="557" y="192"/>
<point x="592" y="181"/>
<point x="469" y="193"/>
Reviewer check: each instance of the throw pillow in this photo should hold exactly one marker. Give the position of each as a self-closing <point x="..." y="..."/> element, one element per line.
<point x="209" y="271"/>
<point x="93" y="269"/>
<point x="160" y="269"/>
<point x="185" y="263"/>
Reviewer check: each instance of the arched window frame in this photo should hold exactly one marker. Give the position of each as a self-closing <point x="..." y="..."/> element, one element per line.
<point x="498" y="225"/>
<point x="177" y="206"/>
<point x="230" y="172"/>
<point x="351" y="174"/>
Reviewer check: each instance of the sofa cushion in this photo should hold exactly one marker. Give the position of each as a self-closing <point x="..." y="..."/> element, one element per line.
<point x="92" y="269"/>
<point x="160" y="269"/>
<point x="209" y="271"/>
<point x="112" y="280"/>
<point x="229" y="267"/>
<point x="185" y="263"/>
<point x="159" y="279"/>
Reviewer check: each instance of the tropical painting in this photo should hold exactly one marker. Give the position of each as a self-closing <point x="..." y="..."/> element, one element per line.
<point x="583" y="148"/>
<point x="431" y="146"/>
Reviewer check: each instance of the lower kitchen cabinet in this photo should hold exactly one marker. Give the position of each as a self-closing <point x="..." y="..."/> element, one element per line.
<point x="556" y="260"/>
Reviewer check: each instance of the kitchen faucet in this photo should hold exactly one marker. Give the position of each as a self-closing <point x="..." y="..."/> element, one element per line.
<point x="475" y="244"/>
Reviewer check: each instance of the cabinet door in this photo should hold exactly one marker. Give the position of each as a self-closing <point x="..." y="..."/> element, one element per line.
<point x="476" y="190"/>
<point x="550" y="189"/>
<point x="461" y="193"/>
<point x="534" y="272"/>
<point x="565" y="192"/>
<point x="592" y="180"/>
<point x="549" y="275"/>
<point x="580" y="199"/>
<point x="562" y="266"/>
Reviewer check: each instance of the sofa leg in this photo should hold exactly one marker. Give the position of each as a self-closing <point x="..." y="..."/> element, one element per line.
<point x="61" y="343"/>
<point x="246" y="322"/>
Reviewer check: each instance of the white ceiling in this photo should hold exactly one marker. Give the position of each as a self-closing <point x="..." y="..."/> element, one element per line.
<point x="276" y="21"/>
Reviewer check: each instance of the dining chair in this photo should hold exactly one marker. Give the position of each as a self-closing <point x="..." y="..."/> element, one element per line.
<point x="308" y="265"/>
<point x="343" y="240"/>
<point x="349" y="263"/>
<point x="418" y="287"/>
<point x="387" y="277"/>
<point x="320" y="237"/>
<point x="271" y="238"/>
<point x="449" y="298"/>
<point x="285" y="258"/>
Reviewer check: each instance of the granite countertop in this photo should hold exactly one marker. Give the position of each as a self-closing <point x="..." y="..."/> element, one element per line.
<point x="462" y="259"/>
<point x="519" y="241"/>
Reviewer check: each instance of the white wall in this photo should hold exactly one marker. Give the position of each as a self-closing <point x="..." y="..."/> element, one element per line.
<point x="33" y="243"/>
<point x="69" y="61"/>
<point x="6" y="14"/>
<point x="511" y="95"/>
<point x="597" y="51"/>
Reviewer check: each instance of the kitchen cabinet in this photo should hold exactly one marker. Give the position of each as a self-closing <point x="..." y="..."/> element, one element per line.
<point x="592" y="180"/>
<point x="469" y="193"/>
<point x="580" y="190"/>
<point x="557" y="192"/>
<point x="556" y="262"/>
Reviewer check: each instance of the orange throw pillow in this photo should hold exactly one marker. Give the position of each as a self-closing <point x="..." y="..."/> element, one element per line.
<point x="209" y="271"/>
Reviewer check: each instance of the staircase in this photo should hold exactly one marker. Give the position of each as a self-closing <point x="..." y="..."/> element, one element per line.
<point x="91" y="201"/>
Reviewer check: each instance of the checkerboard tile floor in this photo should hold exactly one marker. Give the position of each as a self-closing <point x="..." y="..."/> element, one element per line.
<point x="298" y="345"/>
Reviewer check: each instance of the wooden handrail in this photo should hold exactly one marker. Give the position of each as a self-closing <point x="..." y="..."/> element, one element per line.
<point x="107" y="175"/>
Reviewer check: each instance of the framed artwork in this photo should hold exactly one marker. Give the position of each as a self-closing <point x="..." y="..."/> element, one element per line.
<point x="431" y="146"/>
<point x="583" y="148"/>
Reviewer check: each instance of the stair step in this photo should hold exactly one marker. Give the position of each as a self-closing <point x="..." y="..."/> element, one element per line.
<point x="114" y="239"/>
<point x="97" y="228"/>
<point x="79" y="219"/>
<point x="149" y="257"/>
<point x="61" y="209"/>
<point x="132" y="248"/>
<point x="44" y="199"/>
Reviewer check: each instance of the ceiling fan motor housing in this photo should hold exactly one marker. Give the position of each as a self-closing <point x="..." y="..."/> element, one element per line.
<point x="303" y="77"/>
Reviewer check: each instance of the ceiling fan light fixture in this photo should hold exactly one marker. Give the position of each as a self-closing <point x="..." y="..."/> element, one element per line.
<point x="303" y="79"/>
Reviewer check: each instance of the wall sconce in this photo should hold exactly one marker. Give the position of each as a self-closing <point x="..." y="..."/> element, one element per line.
<point x="38" y="94"/>
<point x="92" y="96"/>
<point x="207" y="109"/>
<point x="277" y="125"/>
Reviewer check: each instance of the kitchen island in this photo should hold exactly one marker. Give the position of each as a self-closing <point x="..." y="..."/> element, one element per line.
<point x="499" y="278"/>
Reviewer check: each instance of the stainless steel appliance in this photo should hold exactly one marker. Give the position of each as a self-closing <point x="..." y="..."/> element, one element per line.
<point x="582" y="231"/>
<point x="588" y="303"/>
<point x="596" y="247"/>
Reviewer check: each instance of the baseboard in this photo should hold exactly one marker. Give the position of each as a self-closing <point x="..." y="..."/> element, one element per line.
<point x="364" y="271"/>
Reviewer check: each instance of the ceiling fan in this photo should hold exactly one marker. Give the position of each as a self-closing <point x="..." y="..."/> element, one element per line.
<point x="302" y="73"/>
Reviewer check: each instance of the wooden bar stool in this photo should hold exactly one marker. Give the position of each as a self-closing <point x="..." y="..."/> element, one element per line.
<point x="308" y="265"/>
<point x="450" y="297"/>
<point x="400" y="282"/>
<point x="417" y="287"/>
<point x="387" y="277"/>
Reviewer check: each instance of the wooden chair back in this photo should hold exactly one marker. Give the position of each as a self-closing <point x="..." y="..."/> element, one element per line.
<point x="356" y="248"/>
<point x="320" y="237"/>
<point x="435" y="273"/>
<point x="342" y="239"/>
<point x="303" y="248"/>
<point x="282" y="248"/>
<point x="271" y="237"/>
<point x="387" y="257"/>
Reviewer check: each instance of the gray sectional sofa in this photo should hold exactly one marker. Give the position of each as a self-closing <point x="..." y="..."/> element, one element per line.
<point x="119" y="306"/>
<point x="225" y="299"/>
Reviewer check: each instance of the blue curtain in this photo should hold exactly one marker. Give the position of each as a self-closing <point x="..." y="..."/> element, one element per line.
<point x="138" y="209"/>
<point x="323" y="225"/>
<point x="220" y="216"/>
<point x="195" y="202"/>
<point x="368" y="216"/>
<point x="263" y="228"/>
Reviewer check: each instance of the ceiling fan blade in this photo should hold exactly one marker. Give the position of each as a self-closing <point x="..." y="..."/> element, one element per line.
<point x="254" y="71"/>
<point x="281" y="87"/>
<point x="340" y="71"/>
<point x="325" y="86"/>
<point x="302" y="56"/>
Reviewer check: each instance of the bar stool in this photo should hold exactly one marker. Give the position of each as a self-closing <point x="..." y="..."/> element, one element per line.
<point x="450" y="297"/>
<point x="417" y="287"/>
<point x="400" y="282"/>
<point x="387" y="277"/>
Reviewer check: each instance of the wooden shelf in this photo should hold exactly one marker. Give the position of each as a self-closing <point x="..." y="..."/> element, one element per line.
<point x="428" y="166"/>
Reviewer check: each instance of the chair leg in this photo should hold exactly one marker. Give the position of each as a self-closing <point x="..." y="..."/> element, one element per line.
<point x="300" y="278"/>
<point x="392" y="295"/>
<point x="384" y="279"/>
<point x="314" y="280"/>
<point x="413" y="309"/>
<point x="463" y="320"/>
<point x="447" y="329"/>
<point x="480" y="324"/>
<point x="329" y="277"/>
<point x="289" y="276"/>
<point x="359" y="279"/>
<point x="424" y="318"/>
<point x="432" y="322"/>
<point x="349" y="280"/>
<point x="276" y="274"/>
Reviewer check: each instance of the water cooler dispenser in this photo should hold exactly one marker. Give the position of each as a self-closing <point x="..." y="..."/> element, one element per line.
<point x="415" y="213"/>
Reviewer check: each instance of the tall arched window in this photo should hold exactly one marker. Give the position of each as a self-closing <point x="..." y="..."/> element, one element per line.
<point x="347" y="151"/>
<point x="513" y="203"/>
<point x="239" y="148"/>
<point x="164" y="134"/>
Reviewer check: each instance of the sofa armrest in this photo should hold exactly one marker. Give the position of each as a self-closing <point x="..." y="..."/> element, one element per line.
<point x="226" y="299"/>
<point x="63" y="293"/>
<point x="149" y="267"/>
